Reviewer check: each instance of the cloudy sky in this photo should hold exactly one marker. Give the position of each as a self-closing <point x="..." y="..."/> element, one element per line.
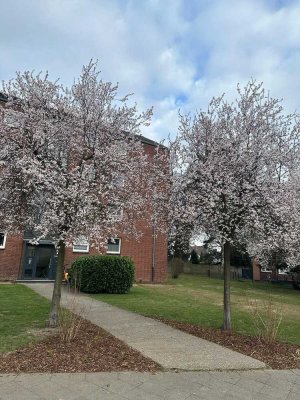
<point x="173" y="54"/>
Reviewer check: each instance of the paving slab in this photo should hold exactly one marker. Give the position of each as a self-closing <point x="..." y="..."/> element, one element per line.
<point x="169" y="347"/>
<point x="183" y="385"/>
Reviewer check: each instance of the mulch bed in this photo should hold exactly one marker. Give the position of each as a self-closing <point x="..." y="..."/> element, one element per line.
<point x="276" y="355"/>
<point x="93" y="350"/>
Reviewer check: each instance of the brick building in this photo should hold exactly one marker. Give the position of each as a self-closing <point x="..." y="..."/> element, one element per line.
<point x="268" y="274"/>
<point x="20" y="259"/>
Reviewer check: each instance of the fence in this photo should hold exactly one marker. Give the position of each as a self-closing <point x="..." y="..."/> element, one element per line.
<point x="177" y="266"/>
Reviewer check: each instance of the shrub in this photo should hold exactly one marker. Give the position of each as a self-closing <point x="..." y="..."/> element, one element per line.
<point x="266" y="318"/>
<point x="103" y="274"/>
<point x="69" y="322"/>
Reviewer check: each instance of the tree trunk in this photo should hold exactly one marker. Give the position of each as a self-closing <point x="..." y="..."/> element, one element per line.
<point x="54" y="313"/>
<point x="227" y="312"/>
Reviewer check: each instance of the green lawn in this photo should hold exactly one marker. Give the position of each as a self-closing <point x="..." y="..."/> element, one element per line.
<point x="21" y="310"/>
<point x="198" y="300"/>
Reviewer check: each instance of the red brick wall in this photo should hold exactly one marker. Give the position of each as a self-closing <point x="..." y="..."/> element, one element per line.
<point x="259" y="275"/>
<point x="141" y="252"/>
<point x="70" y="256"/>
<point x="10" y="258"/>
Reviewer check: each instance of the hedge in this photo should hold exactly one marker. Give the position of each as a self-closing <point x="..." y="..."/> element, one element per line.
<point x="103" y="274"/>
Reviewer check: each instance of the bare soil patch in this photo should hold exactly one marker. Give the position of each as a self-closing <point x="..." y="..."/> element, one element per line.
<point x="277" y="355"/>
<point x="93" y="350"/>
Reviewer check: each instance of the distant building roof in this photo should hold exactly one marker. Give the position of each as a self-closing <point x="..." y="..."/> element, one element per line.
<point x="3" y="97"/>
<point x="148" y="141"/>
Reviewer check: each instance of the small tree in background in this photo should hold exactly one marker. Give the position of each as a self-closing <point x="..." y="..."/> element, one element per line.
<point x="194" y="257"/>
<point x="239" y="257"/>
<point x="212" y="256"/>
<point x="231" y="162"/>
<point x="62" y="153"/>
<point x="179" y="239"/>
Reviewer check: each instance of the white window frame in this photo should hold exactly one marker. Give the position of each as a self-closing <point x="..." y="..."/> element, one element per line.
<point x="119" y="250"/>
<point x="115" y="213"/>
<point x="283" y="271"/>
<point x="266" y="269"/>
<point x="81" y="241"/>
<point x="4" y="240"/>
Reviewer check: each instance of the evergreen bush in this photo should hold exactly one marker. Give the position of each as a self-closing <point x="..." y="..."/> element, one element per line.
<point x="103" y="274"/>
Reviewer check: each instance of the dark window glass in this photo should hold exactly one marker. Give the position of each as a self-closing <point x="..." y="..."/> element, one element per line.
<point x="2" y="239"/>
<point x="114" y="246"/>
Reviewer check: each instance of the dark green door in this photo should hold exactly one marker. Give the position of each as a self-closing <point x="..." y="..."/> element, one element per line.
<point x="29" y="261"/>
<point x="39" y="262"/>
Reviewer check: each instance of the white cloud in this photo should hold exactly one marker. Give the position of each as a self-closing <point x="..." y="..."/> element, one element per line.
<point x="248" y="39"/>
<point x="165" y="119"/>
<point x="171" y="53"/>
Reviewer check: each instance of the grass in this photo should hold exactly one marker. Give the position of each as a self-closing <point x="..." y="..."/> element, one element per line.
<point x="21" y="312"/>
<point x="199" y="300"/>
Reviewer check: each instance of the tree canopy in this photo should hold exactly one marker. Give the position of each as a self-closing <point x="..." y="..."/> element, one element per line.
<point x="72" y="163"/>
<point x="232" y="166"/>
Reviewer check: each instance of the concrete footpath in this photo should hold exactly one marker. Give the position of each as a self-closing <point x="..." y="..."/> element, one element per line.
<point x="169" y="347"/>
<point x="227" y="385"/>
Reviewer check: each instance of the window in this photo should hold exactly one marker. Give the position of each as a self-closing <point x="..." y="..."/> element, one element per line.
<point x="283" y="271"/>
<point x="120" y="150"/>
<point x="118" y="181"/>
<point x="89" y="173"/>
<point x="81" y="245"/>
<point x="115" y="213"/>
<point x="13" y="119"/>
<point x="114" y="246"/>
<point x="265" y="269"/>
<point x="2" y="240"/>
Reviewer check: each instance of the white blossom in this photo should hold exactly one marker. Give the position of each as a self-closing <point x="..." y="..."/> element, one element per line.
<point x="232" y="163"/>
<point x="61" y="152"/>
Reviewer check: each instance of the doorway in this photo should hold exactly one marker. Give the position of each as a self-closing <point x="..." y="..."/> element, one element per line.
<point x="39" y="262"/>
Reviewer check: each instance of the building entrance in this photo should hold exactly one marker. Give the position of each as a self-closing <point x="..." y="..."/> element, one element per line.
<point x="39" y="262"/>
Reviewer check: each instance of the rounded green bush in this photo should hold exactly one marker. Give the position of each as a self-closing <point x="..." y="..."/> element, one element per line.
<point x="103" y="274"/>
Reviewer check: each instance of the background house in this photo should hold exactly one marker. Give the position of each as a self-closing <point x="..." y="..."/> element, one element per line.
<point x="269" y="274"/>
